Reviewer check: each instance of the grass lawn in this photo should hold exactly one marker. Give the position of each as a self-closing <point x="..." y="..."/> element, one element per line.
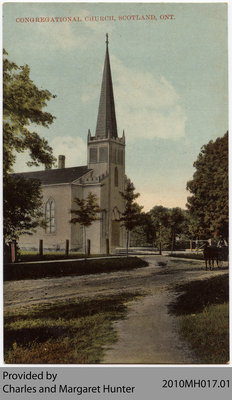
<point x="71" y="332"/>
<point x="203" y="311"/>
<point x="57" y="269"/>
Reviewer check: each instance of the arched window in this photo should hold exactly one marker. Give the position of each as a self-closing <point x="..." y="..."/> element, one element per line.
<point x="116" y="176"/>
<point x="50" y="216"/>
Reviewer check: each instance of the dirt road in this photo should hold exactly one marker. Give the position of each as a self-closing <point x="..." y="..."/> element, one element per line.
<point x="149" y="334"/>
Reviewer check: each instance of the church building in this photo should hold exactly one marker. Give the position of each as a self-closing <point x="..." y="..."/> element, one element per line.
<point x="104" y="175"/>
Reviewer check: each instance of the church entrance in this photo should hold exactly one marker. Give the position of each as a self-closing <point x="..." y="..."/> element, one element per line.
<point x="115" y="233"/>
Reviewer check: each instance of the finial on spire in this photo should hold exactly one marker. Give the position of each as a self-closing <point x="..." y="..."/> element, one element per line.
<point x="107" y="39"/>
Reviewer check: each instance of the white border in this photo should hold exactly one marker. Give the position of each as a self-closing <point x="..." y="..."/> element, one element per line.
<point x="230" y="180"/>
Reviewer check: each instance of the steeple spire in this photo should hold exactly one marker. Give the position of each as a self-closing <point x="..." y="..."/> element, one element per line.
<point x="106" y="121"/>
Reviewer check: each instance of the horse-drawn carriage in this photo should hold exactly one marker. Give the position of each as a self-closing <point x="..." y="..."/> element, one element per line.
<point x="215" y="252"/>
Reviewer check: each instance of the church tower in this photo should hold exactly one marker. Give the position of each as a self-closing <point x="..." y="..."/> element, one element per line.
<point x="106" y="157"/>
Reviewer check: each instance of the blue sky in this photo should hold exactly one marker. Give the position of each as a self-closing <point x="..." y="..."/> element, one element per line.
<point x="169" y="77"/>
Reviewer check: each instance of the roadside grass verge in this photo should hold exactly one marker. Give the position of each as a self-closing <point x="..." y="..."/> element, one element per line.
<point x="191" y="256"/>
<point x="203" y="311"/>
<point x="58" y="269"/>
<point x="71" y="332"/>
<point x="208" y="333"/>
<point x="197" y="295"/>
<point x="26" y="256"/>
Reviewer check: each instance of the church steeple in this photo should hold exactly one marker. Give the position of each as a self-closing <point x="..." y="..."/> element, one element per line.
<point x="106" y="121"/>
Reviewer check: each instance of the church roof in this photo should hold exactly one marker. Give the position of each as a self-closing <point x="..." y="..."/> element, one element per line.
<point x="59" y="175"/>
<point x="106" y="121"/>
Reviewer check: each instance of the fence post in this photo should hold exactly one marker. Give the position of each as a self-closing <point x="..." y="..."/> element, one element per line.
<point x="41" y="247"/>
<point x="13" y="251"/>
<point x="107" y="247"/>
<point x="67" y="248"/>
<point x="88" y="247"/>
<point x="191" y="245"/>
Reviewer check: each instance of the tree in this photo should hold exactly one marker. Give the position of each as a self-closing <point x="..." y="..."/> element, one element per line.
<point x="176" y="220"/>
<point x="86" y="213"/>
<point x="145" y="233"/>
<point x="168" y="224"/>
<point x="22" y="106"/>
<point x="132" y="212"/>
<point x="22" y="208"/>
<point x="160" y="219"/>
<point x="208" y="204"/>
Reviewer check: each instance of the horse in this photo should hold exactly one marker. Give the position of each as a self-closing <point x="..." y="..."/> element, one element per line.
<point x="210" y="255"/>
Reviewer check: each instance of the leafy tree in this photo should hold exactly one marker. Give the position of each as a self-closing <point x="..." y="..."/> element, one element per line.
<point x="132" y="211"/>
<point x="208" y="204"/>
<point x="22" y="208"/>
<point x="86" y="213"/>
<point x="22" y="106"/>
<point x="176" y="220"/>
<point x="160" y="219"/>
<point x="145" y="233"/>
<point x="168" y="224"/>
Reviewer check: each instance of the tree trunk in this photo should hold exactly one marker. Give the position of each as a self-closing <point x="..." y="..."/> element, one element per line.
<point x="173" y="240"/>
<point x="67" y="248"/>
<point x="88" y="247"/>
<point x="191" y="245"/>
<point x="127" y="242"/>
<point x="160" y="248"/>
<point x="85" y="241"/>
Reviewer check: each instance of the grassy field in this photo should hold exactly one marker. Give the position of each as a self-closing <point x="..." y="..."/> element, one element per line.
<point x="203" y="311"/>
<point x="58" y="269"/>
<point x="64" y="333"/>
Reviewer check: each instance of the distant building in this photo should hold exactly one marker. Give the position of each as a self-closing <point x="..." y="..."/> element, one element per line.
<point x="103" y="175"/>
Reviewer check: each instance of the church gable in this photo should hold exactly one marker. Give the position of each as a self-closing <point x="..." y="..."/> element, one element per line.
<point x="56" y="176"/>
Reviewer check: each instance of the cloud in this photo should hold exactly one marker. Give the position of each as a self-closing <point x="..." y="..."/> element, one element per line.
<point x="148" y="106"/>
<point x="21" y="160"/>
<point x="85" y="98"/>
<point x="74" y="150"/>
<point x="61" y="35"/>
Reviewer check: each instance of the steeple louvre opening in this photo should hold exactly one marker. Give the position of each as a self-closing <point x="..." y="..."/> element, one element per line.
<point x="106" y="121"/>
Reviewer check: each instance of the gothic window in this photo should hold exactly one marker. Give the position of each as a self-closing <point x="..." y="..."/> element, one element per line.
<point x="103" y="154"/>
<point x="116" y="176"/>
<point x="50" y="216"/>
<point x="93" y="155"/>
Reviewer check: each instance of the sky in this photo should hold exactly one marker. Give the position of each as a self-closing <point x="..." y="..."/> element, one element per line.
<point x="169" y="76"/>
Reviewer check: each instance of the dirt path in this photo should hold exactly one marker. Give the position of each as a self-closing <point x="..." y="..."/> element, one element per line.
<point x="50" y="290"/>
<point x="149" y="334"/>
